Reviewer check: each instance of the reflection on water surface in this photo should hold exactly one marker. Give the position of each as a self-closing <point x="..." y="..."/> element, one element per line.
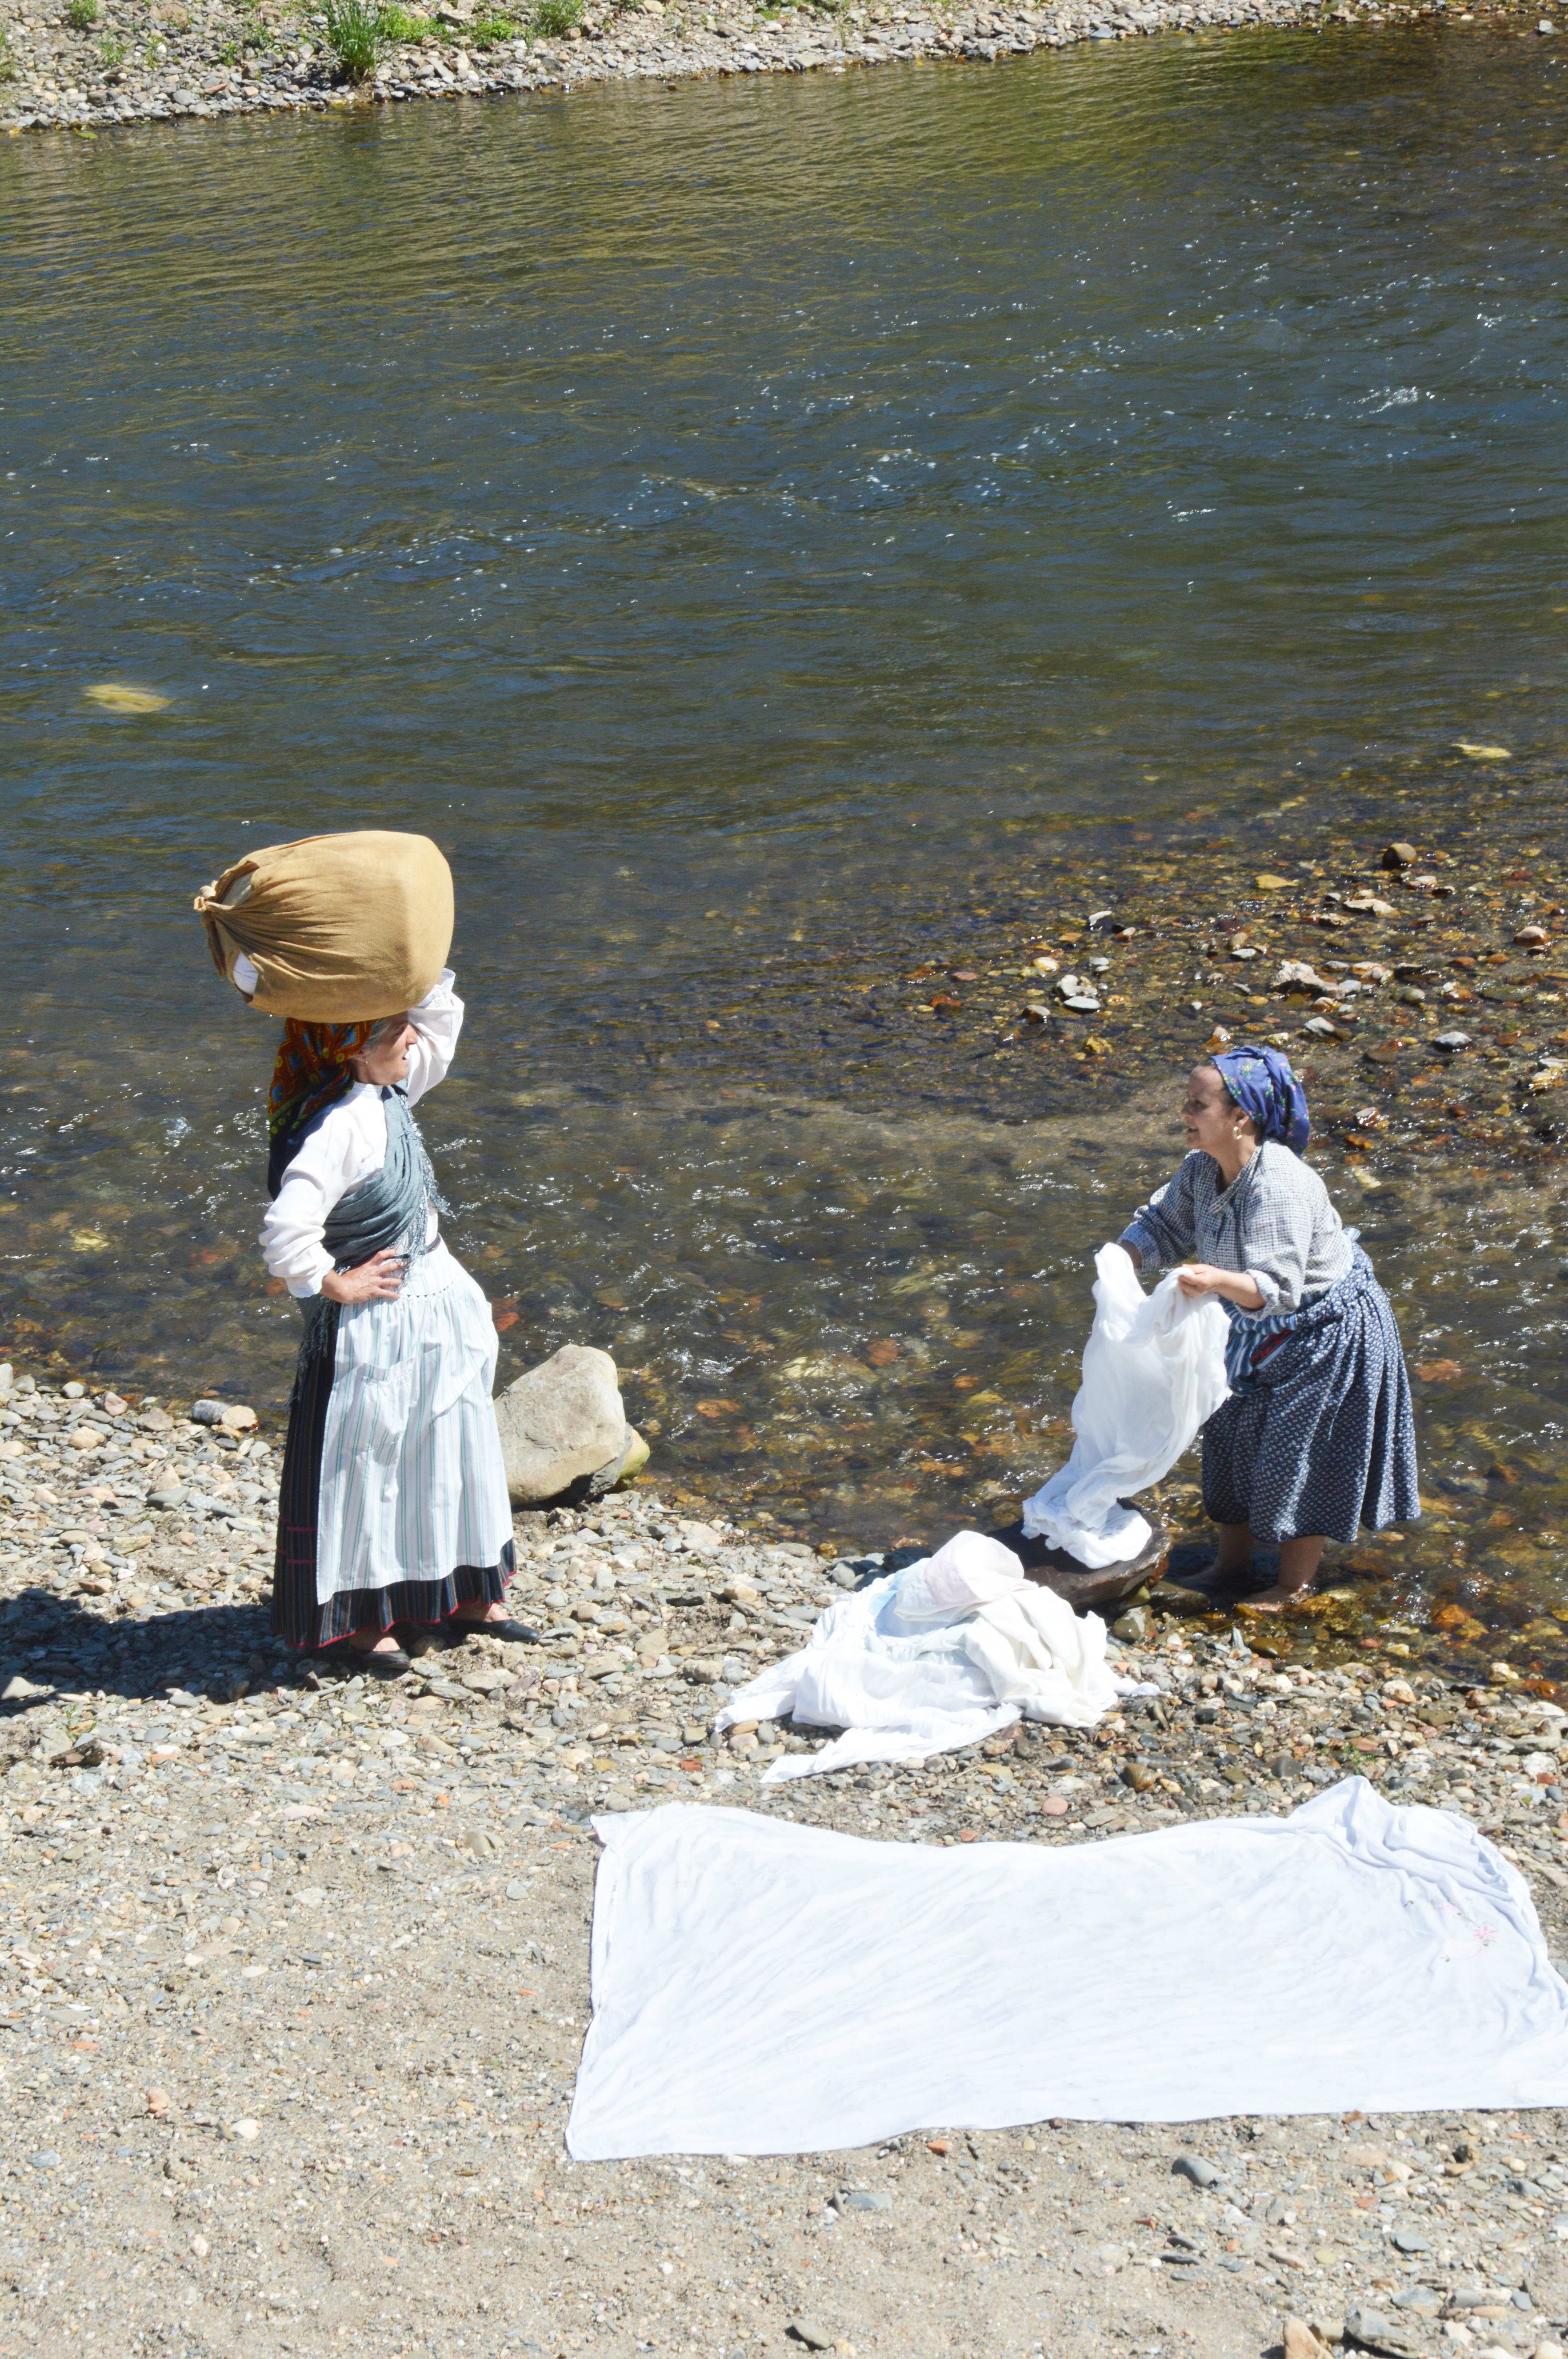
<point x="792" y="544"/>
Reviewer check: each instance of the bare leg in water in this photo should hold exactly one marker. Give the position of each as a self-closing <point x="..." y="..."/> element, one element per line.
<point x="1299" y="1561"/>
<point x="1235" y="1551"/>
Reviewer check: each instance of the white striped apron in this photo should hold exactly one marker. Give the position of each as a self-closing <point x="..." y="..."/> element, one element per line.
<point x="412" y="1482"/>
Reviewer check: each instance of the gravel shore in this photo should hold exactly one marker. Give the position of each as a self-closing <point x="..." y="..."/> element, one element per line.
<point x="298" y="1963"/>
<point x="99" y="63"/>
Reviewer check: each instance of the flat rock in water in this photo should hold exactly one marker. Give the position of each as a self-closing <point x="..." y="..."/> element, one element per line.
<point x="560" y="1421"/>
<point x="1297" y="974"/>
<point x="1084" y="1588"/>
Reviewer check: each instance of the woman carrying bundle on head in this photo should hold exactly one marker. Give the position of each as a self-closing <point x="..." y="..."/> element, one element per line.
<point x="393" y="1515"/>
<point x="1317" y="1438"/>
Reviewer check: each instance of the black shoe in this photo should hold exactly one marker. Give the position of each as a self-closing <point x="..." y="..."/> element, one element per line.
<point x="514" y="1634"/>
<point x="429" y="1638"/>
<point x="380" y="1662"/>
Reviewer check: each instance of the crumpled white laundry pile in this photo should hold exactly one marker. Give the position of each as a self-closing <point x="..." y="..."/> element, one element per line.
<point x="933" y="1657"/>
<point x="762" y="1987"/>
<point x="1153" y="1372"/>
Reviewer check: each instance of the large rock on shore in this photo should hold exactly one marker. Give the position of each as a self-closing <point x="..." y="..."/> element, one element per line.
<point x="563" y="1421"/>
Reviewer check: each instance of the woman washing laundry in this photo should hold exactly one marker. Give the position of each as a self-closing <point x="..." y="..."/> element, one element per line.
<point x="1317" y="1438"/>
<point x="393" y="1515"/>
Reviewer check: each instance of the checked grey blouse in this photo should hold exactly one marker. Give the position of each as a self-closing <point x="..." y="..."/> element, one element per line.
<point x="1275" y="1222"/>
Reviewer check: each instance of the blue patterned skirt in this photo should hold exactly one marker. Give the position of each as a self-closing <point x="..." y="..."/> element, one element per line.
<point x="1318" y="1437"/>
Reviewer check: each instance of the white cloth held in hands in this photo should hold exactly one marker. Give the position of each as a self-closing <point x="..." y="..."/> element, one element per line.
<point x="1153" y="1372"/>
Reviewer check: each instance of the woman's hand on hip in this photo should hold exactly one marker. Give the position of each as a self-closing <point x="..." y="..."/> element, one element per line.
<point x="376" y="1280"/>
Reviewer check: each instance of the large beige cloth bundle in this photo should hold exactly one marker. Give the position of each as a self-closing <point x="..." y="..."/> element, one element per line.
<point x="338" y="928"/>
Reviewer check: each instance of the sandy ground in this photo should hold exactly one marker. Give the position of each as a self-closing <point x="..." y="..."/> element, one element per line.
<point x="298" y="1971"/>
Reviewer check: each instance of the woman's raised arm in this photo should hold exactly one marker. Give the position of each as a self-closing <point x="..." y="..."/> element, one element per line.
<point x="438" y="1019"/>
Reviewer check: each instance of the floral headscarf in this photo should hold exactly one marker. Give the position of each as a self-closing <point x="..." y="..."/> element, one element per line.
<point x="311" y="1069"/>
<point x="1264" y="1085"/>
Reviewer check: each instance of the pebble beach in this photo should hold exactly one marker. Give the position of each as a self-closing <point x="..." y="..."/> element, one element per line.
<point x="298" y="1962"/>
<point x="813" y="1137"/>
<point x="102" y="63"/>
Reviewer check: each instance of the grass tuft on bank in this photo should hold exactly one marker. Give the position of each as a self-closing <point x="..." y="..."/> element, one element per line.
<point x="360" y="32"/>
<point x="356" y="35"/>
<point x="402" y="27"/>
<point x="489" y="32"/>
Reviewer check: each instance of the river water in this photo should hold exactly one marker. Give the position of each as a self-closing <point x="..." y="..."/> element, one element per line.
<point x="773" y="534"/>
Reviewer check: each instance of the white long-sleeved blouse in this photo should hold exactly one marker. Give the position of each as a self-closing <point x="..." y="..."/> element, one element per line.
<point x="348" y="1144"/>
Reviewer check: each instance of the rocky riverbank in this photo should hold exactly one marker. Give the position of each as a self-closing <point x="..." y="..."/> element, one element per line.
<point x="102" y="63"/>
<point x="298" y="1963"/>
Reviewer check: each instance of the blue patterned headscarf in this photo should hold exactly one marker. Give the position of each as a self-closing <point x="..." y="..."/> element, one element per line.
<point x="1264" y="1085"/>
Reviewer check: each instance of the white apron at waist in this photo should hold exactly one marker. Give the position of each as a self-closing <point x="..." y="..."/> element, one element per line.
<point x="412" y="1479"/>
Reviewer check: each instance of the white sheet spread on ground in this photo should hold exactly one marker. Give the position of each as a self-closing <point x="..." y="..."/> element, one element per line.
<point x="933" y="1657"/>
<point x="1154" y="1371"/>
<point x="761" y="1987"/>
